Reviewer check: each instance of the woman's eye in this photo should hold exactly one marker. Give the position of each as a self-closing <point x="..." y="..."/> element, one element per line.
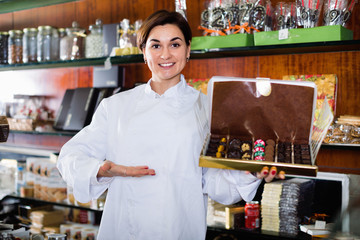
<point x="155" y="46"/>
<point x="175" y="45"/>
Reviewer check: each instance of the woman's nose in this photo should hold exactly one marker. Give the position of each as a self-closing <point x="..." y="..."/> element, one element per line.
<point x="165" y="54"/>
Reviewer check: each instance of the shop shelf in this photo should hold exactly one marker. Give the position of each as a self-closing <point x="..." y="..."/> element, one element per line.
<point x="35" y="200"/>
<point x="298" y="48"/>
<point x="7" y="6"/>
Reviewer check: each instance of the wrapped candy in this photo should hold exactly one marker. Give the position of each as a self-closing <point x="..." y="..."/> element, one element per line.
<point x="217" y="20"/>
<point x="258" y="15"/>
<point x="268" y="22"/>
<point x="347" y="12"/>
<point x="337" y="12"/>
<point x="308" y="12"/>
<point x="224" y="17"/>
<point x="333" y="11"/>
<point x="180" y="7"/>
<point x="246" y="6"/>
<point x="291" y="23"/>
<point x="232" y="12"/>
<point x="283" y="15"/>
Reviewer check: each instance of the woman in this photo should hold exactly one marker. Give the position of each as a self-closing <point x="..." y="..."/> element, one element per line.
<point x="151" y="137"/>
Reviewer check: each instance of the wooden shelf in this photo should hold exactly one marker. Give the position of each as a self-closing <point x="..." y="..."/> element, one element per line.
<point x="299" y="48"/>
<point x="7" y="6"/>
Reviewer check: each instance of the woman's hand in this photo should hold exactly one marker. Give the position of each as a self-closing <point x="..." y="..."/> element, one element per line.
<point x="110" y="169"/>
<point x="268" y="176"/>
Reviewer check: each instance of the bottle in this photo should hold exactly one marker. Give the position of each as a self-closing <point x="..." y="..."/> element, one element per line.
<point x="94" y="46"/>
<point x="124" y="36"/>
<point x="4" y="38"/>
<point x="30" y="45"/>
<point x="15" y="45"/>
<point x="20" y="178"/>
<point x="44" y="43"/>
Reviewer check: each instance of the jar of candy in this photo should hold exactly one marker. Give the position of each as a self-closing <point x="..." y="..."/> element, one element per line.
<point x="4" y="38"/>
<point x="44" y="43"/>
<point x="15" y="45"/>
<point x="72" y="46"/>
<point x="62" y="33"/>
<point x="30" y="45"/>
<point x="94" y="41"/>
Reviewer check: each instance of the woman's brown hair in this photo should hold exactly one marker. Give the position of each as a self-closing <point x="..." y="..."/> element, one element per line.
<point x="160" y="18"/>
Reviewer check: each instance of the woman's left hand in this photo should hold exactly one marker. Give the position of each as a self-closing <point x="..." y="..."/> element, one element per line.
<point x="269" y="175"/>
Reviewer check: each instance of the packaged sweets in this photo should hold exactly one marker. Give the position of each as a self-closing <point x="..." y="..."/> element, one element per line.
<point x="94" y="46"/>
<point x="258" y="122"/>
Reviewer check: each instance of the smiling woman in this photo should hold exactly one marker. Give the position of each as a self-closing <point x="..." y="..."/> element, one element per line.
<point x="165" y="42"/>
<point x="143" y="146"/>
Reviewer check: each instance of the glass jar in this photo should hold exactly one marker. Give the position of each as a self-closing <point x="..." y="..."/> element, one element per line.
<point x="62" y="33"/>
<point x="30" y="45"/>
<point x="72" y="46"/>
<point x="4" y="38"/>
<point x="44" y="43"/>
<point x="55" y="44"/>
<point x="94" y="46"/>
<point x="15" y="45"/>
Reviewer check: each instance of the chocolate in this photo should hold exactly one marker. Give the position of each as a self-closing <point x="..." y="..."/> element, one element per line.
<point x="306" y="162"/>
<point x="235" y="144"/>
<point x="298" y="160"/>
<point x="246" y="156"/>
<point x="245" y="147"/>
<point x="234" y="154"/>
<point x="304" y="147"/>
<point x="270" y="142"/>
<point x="305" y="152"/>
<point x="269" y="158"/>
<point x="281" y="156"/>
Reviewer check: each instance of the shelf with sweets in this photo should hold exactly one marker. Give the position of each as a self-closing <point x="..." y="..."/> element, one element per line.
<point x="29" y="200"/>
<point x="298" y="48"/>
<point x="7" y="6"/>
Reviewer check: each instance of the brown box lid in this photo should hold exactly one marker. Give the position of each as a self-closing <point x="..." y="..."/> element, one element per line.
<point x="261" y="108"/>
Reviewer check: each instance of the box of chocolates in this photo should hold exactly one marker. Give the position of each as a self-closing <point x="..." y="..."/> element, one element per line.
<point x="260" y="122"/>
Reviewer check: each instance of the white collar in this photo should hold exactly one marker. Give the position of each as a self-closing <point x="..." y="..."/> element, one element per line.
<point x="173" y="91"/>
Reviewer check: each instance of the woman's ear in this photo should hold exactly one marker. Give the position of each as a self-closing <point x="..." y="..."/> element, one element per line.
<point x="188" y="50"/>
<point x="144" y="55"/>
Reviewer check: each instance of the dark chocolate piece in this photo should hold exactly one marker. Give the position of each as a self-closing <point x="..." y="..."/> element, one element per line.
<point x="270" y="142"/>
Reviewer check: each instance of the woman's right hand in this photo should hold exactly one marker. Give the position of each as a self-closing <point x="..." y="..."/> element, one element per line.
<point x="110" y="169"/>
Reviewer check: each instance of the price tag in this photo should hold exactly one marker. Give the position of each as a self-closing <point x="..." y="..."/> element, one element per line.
<point x="283" y="34"/>
<point x="107" y="64"/>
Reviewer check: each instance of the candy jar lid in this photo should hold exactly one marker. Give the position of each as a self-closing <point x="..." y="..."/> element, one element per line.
<point x="97" y="26"/>
<point x="75" y="29"/>
<point x="15" y="33"/>
<point x="30" y="30"/>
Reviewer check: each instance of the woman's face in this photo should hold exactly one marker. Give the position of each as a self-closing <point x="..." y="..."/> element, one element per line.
<point x="166" y="52"/>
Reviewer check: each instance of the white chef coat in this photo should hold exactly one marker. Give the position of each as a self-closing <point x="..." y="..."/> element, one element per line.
<point x="140" y="127"/>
